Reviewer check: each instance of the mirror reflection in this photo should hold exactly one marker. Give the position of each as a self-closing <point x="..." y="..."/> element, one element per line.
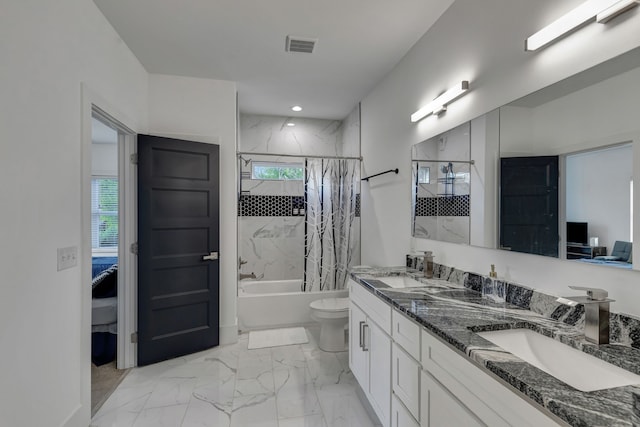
<point x="566" y="173"/>
<point x="441" y="186"/>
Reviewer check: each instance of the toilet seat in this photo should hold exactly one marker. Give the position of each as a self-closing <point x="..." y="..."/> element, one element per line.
<point x="330" y="304"/>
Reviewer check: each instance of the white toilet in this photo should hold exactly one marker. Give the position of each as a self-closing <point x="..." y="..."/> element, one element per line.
<point x="333" y="315"/>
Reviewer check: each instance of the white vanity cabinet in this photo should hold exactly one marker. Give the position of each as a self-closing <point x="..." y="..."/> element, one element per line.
<point x="405" y="365"/>
<point x="370" y="349"/>
<point x="451" y="381"/>
<point x="411" y="378"/>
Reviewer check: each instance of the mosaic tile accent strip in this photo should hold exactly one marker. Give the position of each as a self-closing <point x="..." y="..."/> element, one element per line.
<point x="443" y="206"/>
<point x="427" y="206"/>
<point x="261" y="205"/>
<point x="258" y="205"/>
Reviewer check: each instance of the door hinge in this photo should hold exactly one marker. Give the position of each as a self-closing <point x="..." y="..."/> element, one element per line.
<point x="134" y="337"/>
<point x="134" y="158"/>
<point x="134" y="248"/>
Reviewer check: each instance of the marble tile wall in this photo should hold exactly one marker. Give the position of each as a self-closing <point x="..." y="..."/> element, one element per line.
<point x="351" y="134"/>
<point x="624" y="328"/>
<point x="270" y="134"/>
<point x="271" y="235"/>
<point x="273" y="247"/>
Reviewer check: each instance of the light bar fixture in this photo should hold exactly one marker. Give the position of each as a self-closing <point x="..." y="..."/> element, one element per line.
<point x="611" y="12"/>
<point x="602" y="10"/>
<point x="439" y="105"/>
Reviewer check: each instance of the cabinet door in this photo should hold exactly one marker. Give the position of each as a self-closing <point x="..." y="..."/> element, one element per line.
<point x="439" y="408"/>
<point x="358" y="359"/>
<point x="400" y="416"/>
<point x="378" y="345"/>
<point x="406" y="379"/>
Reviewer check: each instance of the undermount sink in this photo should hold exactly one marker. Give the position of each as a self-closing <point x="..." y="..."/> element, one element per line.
<point x="401" y="282"/>
<point x="571" y="366"/>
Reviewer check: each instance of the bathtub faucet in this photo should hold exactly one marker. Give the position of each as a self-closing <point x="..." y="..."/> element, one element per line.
<point x="247" y="276"/>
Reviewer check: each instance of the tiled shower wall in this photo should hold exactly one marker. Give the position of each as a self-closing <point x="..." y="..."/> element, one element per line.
<point x="441" y="211"/>
<point x="271" y="226"/>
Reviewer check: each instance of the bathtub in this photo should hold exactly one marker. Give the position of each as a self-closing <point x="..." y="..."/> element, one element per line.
<point x="264" y="304"/>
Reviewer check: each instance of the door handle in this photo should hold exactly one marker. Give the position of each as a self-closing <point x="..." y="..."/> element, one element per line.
<point x="211" y="257"/>
<point x="364" y="338"/>
<point x="361" y="335"/>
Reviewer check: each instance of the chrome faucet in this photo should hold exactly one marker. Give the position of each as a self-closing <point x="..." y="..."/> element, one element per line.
<point x="246" y="276"/>
<point x="596" y="313"/>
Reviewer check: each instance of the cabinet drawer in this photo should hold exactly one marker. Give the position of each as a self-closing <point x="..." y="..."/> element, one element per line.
<point x="484" y="396"/>
<point x="376" y="309"/>
<point x="406" y="333"/>
<point x="400" y="416"/>
<point x="440" y="408"/>
<point x="406" y="380"/>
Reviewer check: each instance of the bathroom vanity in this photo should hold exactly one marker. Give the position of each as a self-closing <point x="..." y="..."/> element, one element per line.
<point x="418" y="356"/>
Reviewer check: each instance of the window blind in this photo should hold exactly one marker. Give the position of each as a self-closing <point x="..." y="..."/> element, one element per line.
<point x="104" y="213"/>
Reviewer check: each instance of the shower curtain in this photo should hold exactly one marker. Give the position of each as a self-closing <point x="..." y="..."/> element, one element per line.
<point x="331" y="186"/>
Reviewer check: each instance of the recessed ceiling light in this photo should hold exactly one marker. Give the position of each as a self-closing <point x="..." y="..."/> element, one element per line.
<point x="291" y="124"/>
<point x="296" y="108"/>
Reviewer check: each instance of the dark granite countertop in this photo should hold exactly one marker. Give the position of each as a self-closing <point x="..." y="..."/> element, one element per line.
<point x="455" y="314"/>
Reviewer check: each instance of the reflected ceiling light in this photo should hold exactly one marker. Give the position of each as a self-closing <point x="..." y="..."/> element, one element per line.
<point x="291" y="124"/>
<point x="615" y="10"/>
<point x="296" y="108"/>
<point x="572" y="20"/>
<point x="439" y="105"/>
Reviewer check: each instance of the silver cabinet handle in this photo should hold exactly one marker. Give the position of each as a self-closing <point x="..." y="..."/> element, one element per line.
<point x="364" y="338"/>
<point x="211" y="257"/>
<point x="361" y="334"/>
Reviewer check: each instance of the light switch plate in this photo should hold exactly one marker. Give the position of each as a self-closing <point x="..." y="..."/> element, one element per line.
<point x="67" y="257"/>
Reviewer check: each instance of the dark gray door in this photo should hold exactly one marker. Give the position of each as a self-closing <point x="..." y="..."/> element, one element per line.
<point x="529" y="204"/>
<point x="178" y="238"/>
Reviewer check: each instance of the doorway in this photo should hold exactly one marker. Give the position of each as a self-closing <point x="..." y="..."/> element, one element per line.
<point x="109" y="273"/>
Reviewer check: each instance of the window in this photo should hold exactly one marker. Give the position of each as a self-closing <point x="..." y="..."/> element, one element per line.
<point x="277" y="171"/>
<point x="104" y="213"/>
<point x="423" y="175"/>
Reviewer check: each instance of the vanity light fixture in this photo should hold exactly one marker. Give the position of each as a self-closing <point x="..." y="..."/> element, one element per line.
<point x="611" y="12"/>
<point x="439" y="105"/>
<point x="296" y="108"/>
<point x="602" y="10"/>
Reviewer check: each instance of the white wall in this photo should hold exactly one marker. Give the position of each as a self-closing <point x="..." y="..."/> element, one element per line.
<point x="204" y="110"/>
<point x="482" y="42"/>
<point x="601" y="114"/>
<point x="484" y="152"/>
<point x="47" y="50"/>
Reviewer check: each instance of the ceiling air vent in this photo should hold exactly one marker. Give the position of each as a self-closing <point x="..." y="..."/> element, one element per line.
<point x="300" y="44"/>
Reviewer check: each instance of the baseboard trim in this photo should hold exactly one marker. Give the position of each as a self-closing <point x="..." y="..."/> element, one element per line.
<point x="228" y="334"/>
<point x="80" y="417"/>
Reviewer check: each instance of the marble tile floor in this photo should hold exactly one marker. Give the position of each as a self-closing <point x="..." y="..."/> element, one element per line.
<point x="231" y="386"/>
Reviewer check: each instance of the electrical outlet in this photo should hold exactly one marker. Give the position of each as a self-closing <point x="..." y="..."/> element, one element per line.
<point x="67" y="257"/>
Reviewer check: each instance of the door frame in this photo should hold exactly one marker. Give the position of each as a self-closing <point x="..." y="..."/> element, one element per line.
<point x="95" y="104"/>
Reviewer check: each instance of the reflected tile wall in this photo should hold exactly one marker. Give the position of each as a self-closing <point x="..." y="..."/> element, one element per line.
<point x="454" y="229"/>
